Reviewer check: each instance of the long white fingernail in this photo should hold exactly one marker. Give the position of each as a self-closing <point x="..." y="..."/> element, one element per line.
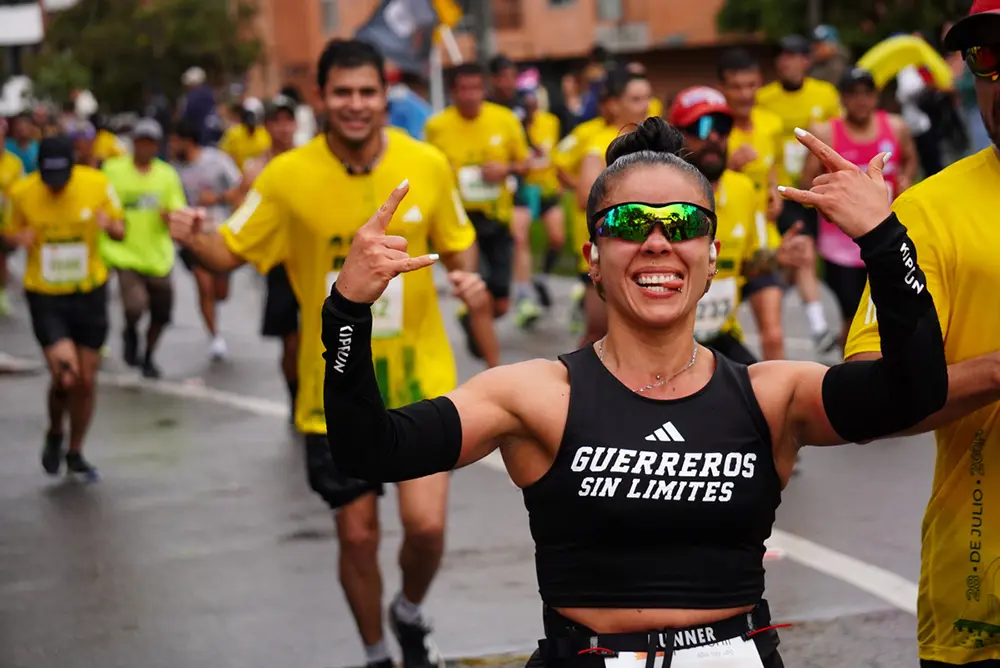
<point x="782" y="189"/>
<point x="433" y="256"/>
<point x="799" y="132"/>
<point x="887" y="156"/>
<point x="403" y="184"/>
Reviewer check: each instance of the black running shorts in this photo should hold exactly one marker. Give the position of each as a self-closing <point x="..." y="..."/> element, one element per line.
<point x="496" y="253"/>
<point x="794" y="212"/>
<point x="81" y="317"/>
<point x="848" y="284"/>
<point x="281" y="308"/>
<point x="335" y="488"/>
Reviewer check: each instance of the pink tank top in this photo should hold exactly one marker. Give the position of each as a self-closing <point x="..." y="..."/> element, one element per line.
<point x="833" y="245"/>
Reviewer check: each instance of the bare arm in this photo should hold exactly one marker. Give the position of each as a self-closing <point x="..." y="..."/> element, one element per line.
<point x="972" y="384"/>
<point x="590" y="169"/>
<point x="481" y="313"/>
<point x="208" y="247"/>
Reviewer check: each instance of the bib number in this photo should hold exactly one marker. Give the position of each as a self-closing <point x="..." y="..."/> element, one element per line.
<point x="715" y="308"/>
<point x="795" y="157"/>
<point x="735" y="653"/>
<point x="474" y="189"/>
<point x="387" y="312"/>
<point x="65" y="263"/>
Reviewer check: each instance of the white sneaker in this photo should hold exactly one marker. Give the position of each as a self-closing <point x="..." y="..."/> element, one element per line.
<point x="217" y="349"/>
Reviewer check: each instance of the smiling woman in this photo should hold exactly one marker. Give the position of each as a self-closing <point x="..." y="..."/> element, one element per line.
<point x="650" y="467"/>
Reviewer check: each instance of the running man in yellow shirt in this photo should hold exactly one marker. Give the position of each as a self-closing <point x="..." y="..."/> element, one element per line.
<point x="799" y="101"/>
<point x="754" y="149"/>
<point x="247" y="139"/>
<point x="952" y="219"/>
<point x="288" y="218"/>
<point x="627" y="95"/>
<point x="59" y="214"/>
<point x="11" y="171"/>
<point x="487" y="148"/>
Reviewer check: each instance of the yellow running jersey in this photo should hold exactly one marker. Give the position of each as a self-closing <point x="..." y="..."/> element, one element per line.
<point x="241" y="146"/>
<point x="303" y="211"/>
<point x="544" y="135"/>
<point x="958" y="608"/>
<point x="65" y="256"/>
<point x="597" y="144"/>
<point x="495" y="135"/>
<point x="815" y="102"/>
<point x="737" y="208"/>
<point x="11" y="171"/>
<point x="567" y="157"/>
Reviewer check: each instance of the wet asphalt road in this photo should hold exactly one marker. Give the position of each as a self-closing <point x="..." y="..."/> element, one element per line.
<point x="203" y="546"/>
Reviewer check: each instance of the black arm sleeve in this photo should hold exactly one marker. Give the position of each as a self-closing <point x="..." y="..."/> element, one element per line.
<point x="869" y="400"/>
<point x="366" y="440"/>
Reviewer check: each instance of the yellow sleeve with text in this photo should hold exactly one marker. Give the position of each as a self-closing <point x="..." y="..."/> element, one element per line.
<point x="935" y="255"/>
<point x="258" y="230"/>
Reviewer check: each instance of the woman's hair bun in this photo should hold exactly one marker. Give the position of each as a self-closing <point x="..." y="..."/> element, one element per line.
<point x="653" y="134"/>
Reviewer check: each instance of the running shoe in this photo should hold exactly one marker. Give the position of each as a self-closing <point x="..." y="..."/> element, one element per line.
<point x="77" y="466"/>
<point x="526" y="313"/>
<point x="543" y="292"/>
<point x="577" y="318"/>
<point x="217" y="349"/>
<point x="4" y="302"/>
<point x="52" y="453"/>
<point x="130" y="347"/>
<point x="150" y="370"/>
<point x="414" y="639"/>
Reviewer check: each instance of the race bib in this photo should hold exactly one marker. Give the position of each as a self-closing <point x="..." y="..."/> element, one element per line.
<point x="65" y="263"/>
<point x="148" y="201"/>
<point x="795" y="157"/>
<point x="474" y="189"/>
<point x="735" y="653"/>
<point x="715" y="308"/>
<point x="387" y="312"/>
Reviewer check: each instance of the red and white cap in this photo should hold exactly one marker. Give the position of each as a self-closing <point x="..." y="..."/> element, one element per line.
<point x="980" y="28"/>
<point x="693" y="103"/>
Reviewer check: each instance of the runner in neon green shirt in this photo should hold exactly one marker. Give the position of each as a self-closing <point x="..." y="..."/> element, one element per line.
<point x="149" y="189"/>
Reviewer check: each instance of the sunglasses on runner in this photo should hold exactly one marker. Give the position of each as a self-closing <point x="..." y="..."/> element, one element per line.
<point x="704" y="126"/>
<point x="984" y="61"/>
<point x="634" y="221"/>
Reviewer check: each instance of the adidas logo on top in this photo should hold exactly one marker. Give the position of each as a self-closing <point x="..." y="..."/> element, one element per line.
<point x="666" y="434"/>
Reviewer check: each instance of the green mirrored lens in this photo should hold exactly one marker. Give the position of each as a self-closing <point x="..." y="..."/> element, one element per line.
<point x="634" y="222"/>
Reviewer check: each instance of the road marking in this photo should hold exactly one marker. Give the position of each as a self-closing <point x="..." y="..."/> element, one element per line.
<point x="883" y="584"/>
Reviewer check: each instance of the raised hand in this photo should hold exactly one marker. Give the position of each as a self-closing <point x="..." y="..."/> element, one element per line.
<point x="470" y="288"/>
<point x="853" y="200"/>
<point x="185" y="224"/>
<point x="796" y="250"/>
<point x="375" y="258"/>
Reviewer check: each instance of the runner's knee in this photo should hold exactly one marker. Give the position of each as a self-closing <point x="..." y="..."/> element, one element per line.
<point x="358" y="539"/>
<point x="424" y="533"/>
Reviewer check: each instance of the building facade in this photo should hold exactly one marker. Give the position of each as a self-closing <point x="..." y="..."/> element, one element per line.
<point x="676" y="39"/>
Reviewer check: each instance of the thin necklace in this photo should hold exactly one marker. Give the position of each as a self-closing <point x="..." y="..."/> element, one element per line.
<point x="660" y="381"/>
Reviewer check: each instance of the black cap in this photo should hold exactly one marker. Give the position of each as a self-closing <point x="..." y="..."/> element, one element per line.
<point x="795" y="44"/>
<point x="854" y="77"/>
<point x="55" y="161"/>
<point x="980" y="28"/>
<point x="278" y="104"/>
<point x="499" y="63"/>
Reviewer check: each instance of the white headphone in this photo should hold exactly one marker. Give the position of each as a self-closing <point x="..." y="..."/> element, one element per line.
<point x="713" y="253"/>
<point x="595" y="255"/>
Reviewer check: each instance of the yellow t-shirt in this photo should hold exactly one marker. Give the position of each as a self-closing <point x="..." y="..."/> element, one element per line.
<point x="544" y="135"/>
<point x="11" y="171"/>
<point x="958" y="612"/>
<point x="240" y="145"/>
<point x="495" y="135"/>
<point x="597" y="144"/>
<point x="737" y="208"/>
<point x="65" y="257"/>
<point x="288" y="218"/>
<point x="816" y="101"/>
<point x="568" y="156"/>
<point x="107" y="146"/>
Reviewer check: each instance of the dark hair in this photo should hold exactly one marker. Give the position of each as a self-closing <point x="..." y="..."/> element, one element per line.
<point x="291" y="91"/>
<point x="736" y="60"/>
<point x="188" y="129"/>
<point x="615" y="82"/>
<point x="464" y="70"/>
<point x="499" y="63"/>
<point x="653" y="142"/>
<point x="349" y="54"/>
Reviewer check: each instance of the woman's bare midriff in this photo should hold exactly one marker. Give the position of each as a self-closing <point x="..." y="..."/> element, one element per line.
<point x="630" y="620"/>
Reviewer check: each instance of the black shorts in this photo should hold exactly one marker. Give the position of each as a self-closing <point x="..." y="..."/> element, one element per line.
<point x="191" y="261"/>
<point x="848" y="284"/>
<point x="496" y="253"/>
<point x="793" y="212"/>
<point x="727" y="345"/>
<point x="281" y="308"/>
<point x="81" y="317"/>
<point x="335" y="488"/>
<point x="758" y="283"/>
<point x="548" y="203"/>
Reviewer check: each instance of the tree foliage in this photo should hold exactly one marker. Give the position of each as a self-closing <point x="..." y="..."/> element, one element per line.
<point x="131" y="46"/>
<point x="861" y="23"/>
